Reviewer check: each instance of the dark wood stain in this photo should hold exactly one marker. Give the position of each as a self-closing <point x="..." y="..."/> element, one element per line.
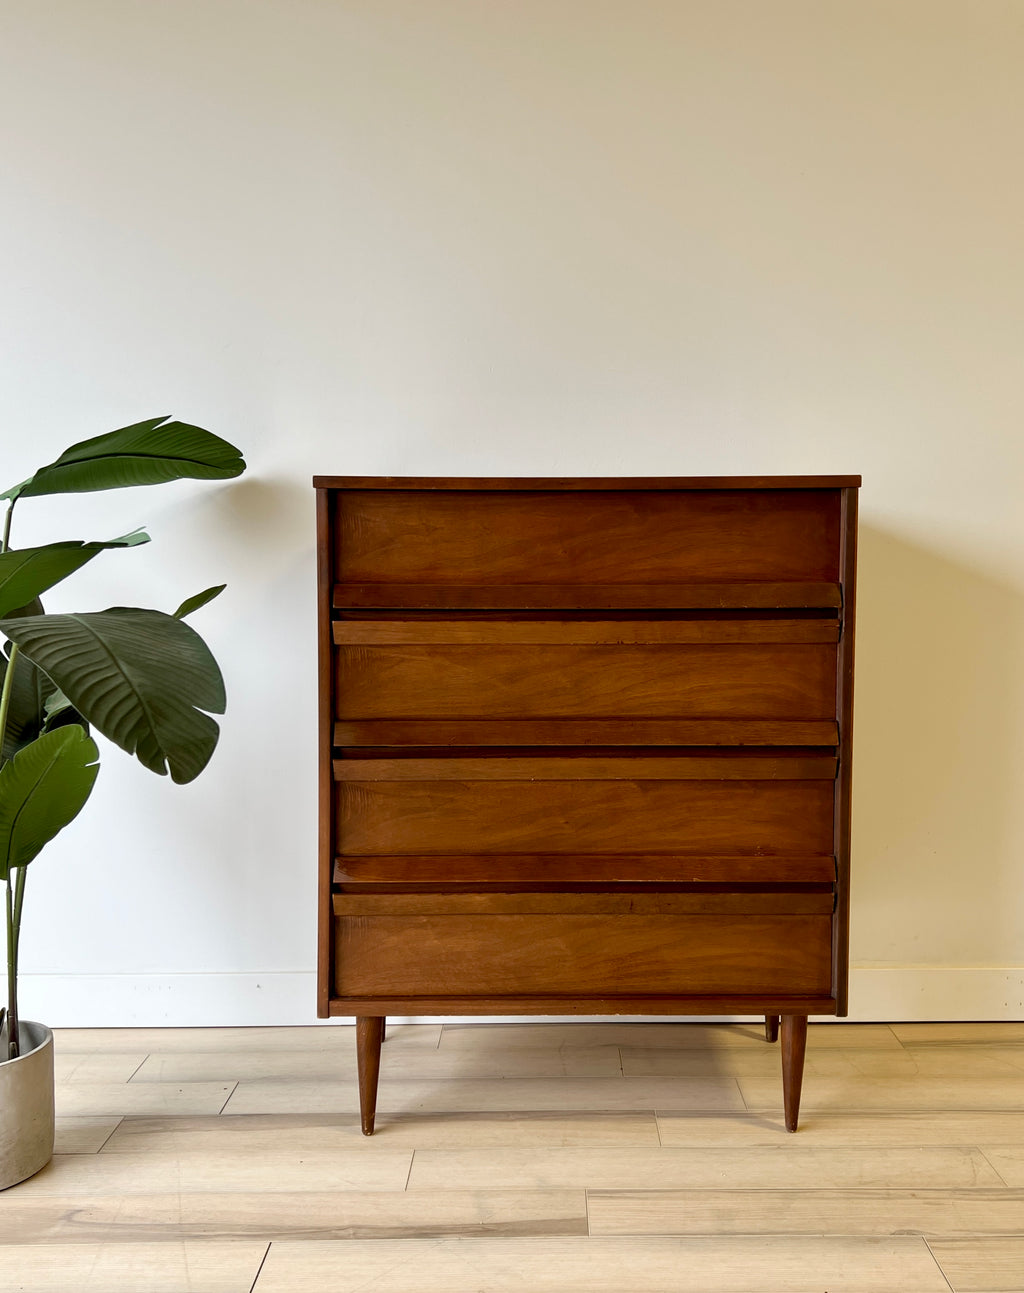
<point x="726" y="680"/>
<point x="502" y="954"/>
<point x="585" y="747"/>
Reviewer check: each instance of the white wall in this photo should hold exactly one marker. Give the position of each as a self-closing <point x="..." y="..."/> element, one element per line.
<point x="541" y="237"/>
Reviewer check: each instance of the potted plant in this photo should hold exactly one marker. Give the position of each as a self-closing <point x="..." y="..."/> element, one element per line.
<point x="143" y="678"/>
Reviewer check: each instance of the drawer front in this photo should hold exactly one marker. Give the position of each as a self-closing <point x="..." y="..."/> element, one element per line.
<point x="752" y="680"/>
<point x="466" y="537"/>
<point x="604" y="955"/>
<point x="730" y="817"/>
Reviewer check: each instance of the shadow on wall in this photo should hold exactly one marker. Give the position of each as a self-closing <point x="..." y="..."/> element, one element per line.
<point x="938" y="823"/>
<point x="265" y="517"/>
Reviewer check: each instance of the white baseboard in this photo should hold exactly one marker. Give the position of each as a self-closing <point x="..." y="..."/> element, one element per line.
<point x="894" y="993"/>
<point x="878" y="994"/>
<point x="169" y="1000"/>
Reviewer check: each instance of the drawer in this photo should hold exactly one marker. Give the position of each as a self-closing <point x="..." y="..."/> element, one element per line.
<point x="507" y="537"/>
<point x="730" y="805"/>
<point x="636" y="672"/>
<point x="604" y="955"/>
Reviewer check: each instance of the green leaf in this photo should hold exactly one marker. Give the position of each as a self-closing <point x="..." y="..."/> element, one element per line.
<point x="56" y="704"/>
<point x="30" y="694"/>
<point x="58" y="710"/>
<point x="140" y="676"/>
<point x="42" y="789"/>
<point x="191" y="604"/>
<point x="27" y="713"/>
<point x="146" y="453"/>
<point x="34" y="607"/>
<point x="36" y="705"/>
<point x="27" y="572"/>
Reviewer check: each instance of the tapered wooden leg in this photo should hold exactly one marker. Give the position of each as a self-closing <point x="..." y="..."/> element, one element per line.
<point x="771" y="1028"/>
<point x="369" y="1031"/>
<point x="794" y="1044"/>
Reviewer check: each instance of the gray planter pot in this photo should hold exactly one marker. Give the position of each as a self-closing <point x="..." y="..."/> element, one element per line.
<point x="26" y="1105"/>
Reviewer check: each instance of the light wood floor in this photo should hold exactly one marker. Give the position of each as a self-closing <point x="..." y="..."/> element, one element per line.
<point x="529" y="1157"/>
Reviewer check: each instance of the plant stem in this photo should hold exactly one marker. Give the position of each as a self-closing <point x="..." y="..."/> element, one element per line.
<point x="13" y="1018"/>
<point x="7" y="528"/>
<point x="12" y="928"/>
<point x="12" y="983"/>
<point x="5" y="695"/>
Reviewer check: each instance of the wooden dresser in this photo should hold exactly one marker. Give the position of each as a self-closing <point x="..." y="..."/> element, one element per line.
<point x="585" y="749"/>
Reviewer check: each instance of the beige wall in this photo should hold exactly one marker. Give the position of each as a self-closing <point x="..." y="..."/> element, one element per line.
<point x="524" y="237"/>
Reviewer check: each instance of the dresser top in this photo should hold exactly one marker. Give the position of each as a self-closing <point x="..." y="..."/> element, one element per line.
<point x="586" y="482"/>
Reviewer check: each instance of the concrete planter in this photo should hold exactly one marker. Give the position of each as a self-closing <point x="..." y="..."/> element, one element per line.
<point x="26" y="1105"/>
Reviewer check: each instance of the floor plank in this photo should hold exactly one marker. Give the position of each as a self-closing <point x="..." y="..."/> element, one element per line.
<point x="855" y="1092"/>
<point x="397" y="1063"/>
<point x="765" y="1062"/>
<point x="612" y="1094"/>
<point x="83" y="1135"/>
<point x="932" y="1061"/>
<point x="1008" y="1160"/>
<point x="192" y="1173"/>
<point x="267" y="1133"/>
<point x="330" y="1036"/>
<point x="140" y="1268"/>
<point x="78" y="1099"/>
<point x="1001" y="1033"/>
<point x="880" y="1127"/>
<point x="95" y="1066"/>
<point x="976" y="1060"/>
<point x="270" y="1214"/>
<point x="789" y="1165"/>
<point x="529" y="1036"/>
<point x="603" y="1266"/>
<point x="930" y="1212"/>
<point x="982" y="1265"/>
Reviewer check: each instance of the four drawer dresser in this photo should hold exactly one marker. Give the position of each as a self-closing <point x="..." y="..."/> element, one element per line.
<point x="585" y="749"/>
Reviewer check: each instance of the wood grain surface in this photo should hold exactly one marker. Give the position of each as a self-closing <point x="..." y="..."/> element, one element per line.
<point x="594" y="536"/>
<point x="585" y="744"/>
<point x="515" y="955"/>
<point x="578" y="872"/>
<point x="716" y="680"/>
<point x="731" y="817"/>
<point x="494" y="1136"/>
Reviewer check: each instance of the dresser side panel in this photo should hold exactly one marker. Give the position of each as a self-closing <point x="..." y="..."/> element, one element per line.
<point x="844" y="781"/>
<point x="325" y="729"/>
